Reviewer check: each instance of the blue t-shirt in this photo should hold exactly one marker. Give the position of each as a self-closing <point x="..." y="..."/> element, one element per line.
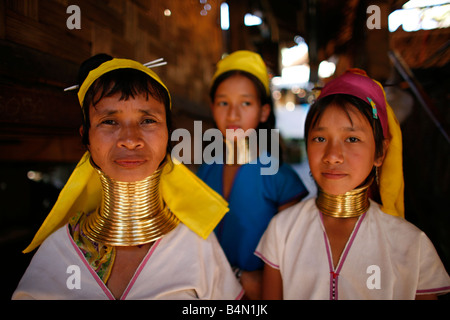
<point x="253" y="201"/>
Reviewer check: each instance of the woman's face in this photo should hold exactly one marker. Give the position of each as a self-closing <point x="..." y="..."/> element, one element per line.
<point x="341" y="150"/>
<point x="128" y="139"/>
<point x="237" y="105"/>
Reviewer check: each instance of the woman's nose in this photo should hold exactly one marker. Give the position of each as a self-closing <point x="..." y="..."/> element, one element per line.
<point x="130" y="137"/>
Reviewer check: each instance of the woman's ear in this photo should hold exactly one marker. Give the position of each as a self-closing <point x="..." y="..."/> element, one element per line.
<point x="265" y="112"/>
<point x="81" y="130"/>
<point x="379" y="160"/>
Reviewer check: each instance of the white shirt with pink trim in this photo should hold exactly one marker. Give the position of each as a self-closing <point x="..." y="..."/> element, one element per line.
<point x="386" y="257"/>
<point x="179" y="266"/>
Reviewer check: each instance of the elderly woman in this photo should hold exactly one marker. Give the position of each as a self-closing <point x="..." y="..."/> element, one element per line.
<point x="130" y="222"/>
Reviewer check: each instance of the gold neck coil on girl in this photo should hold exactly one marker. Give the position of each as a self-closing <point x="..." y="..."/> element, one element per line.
<point x="351" y="204"/>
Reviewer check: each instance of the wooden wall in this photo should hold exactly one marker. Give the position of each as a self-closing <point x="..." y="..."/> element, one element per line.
<point x="39" y="56"/>
<point x="39" y="123"/>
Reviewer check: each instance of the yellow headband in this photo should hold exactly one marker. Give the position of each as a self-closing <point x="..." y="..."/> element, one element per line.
<point x="115" y="64"/>
<point x="247" y="61"/>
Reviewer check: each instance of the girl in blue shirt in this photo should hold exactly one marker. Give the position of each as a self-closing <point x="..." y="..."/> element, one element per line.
<point x="241" y="99"/>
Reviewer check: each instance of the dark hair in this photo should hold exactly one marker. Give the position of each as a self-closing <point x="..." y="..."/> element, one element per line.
<point x="344" y="101"/>
<point x="264" y="98"/>
<point x="128" y="82"/>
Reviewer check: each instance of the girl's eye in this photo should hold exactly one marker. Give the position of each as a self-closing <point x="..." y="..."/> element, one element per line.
<point x="318" y="139"/>
<point x="222" y="103"/>
<point x="352" y="139"/>
<point x="246" y="103"/>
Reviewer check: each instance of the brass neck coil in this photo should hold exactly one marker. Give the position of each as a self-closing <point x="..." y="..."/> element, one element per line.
<point x="239" y="151"/>
<point x="130" y="214"/>
<point x="351" y="204"/>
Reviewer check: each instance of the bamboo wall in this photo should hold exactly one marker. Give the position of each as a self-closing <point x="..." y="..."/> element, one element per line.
<point x="39" y="56"/>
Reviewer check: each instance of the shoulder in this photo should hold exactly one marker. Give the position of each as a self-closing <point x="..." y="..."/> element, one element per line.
<point x="393" y="224"/>
<point x="411" y="248"/>
<point x="59" y="244"/>
<point x="58" y="239"/>
<point x="298" y="211"/>
<point x="398" y="232"/>
<point x="44" y="277"/>
<point x="184" y="238"/>
<point x="297" y="215"/>
<point x="286" y="229"/>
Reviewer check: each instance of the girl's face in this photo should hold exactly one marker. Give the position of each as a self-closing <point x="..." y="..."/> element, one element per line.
<point x="128" y="139"/>
<point x="341" y="150"/>
<point x="237" y="105"/>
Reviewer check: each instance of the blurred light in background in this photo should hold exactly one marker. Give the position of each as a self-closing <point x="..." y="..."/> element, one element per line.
<point x="421" y="15"/>
<point x="224" y="16"/>
<point x="252" y="20"/>
<point x="326" y="69"/>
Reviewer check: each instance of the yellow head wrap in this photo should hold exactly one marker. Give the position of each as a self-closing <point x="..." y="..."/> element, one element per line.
<point x="247" y="61"/>
<point x="392" y="185"/>
<point x="111" y="65"/>
<point x="196" y="205"/>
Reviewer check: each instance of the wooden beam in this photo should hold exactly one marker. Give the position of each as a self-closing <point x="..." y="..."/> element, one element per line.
<point x="53" y="148"/>
<point x="28" y="32"/>
<point x="2" y="19"/>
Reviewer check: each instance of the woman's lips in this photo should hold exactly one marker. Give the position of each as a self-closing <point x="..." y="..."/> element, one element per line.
<point x="129" y="163"/>
<point x="334" y="175"/>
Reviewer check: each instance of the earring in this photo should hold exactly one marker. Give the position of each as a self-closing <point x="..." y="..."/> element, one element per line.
<point x="377" y="177"/>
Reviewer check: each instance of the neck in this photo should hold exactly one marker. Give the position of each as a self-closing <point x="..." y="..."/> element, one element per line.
<point x="351" y="204"/>
<point x="239" y="151"/>
<point x="131" y="213"/>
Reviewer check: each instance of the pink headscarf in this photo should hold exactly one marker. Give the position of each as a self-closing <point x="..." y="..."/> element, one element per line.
<point x="355" y="82"/>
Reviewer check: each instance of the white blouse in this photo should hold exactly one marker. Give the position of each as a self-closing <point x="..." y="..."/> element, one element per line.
<point x="385" y="257"/>
<point x="179" y="266"/>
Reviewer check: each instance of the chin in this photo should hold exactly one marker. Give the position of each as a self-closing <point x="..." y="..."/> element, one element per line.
<point x="334" y="190"/>
<point x="129" y="178"/>
<point x="130" y="175"/>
